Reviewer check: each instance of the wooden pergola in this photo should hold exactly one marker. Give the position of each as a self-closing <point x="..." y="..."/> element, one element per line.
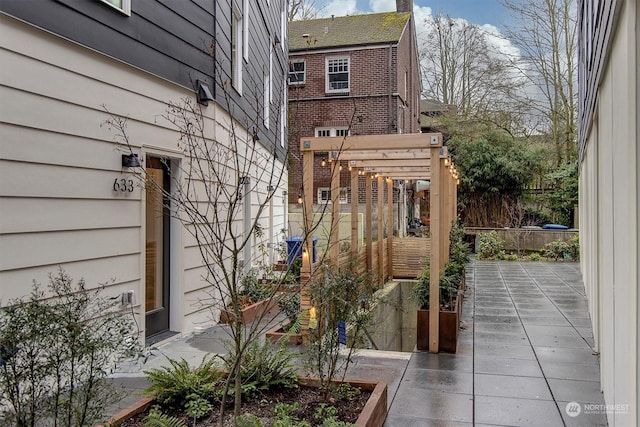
<point x="385" y="158"/>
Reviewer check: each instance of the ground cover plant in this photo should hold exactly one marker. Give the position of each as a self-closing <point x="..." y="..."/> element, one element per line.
<point x="271" y="393"/>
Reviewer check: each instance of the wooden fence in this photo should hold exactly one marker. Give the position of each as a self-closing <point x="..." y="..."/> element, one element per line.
<point x="410" y="256"/>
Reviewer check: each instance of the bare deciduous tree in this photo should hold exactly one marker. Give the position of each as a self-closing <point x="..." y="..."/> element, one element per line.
<point x="545" y="33"/>
<point x="302" y="9"/>
<point x="461" y="67"/>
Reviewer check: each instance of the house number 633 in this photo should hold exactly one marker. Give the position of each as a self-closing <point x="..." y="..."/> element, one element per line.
<point x="123" y="185"/>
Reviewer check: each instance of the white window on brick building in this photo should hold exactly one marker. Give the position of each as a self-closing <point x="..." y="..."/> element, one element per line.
<point x="337" y="76"/>
<point x="324" y="195"/>
<point x="327" y="132"/>
<point x="297" y="72"/>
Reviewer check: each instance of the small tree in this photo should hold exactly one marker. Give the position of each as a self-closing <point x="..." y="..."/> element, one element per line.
<point x="341" y="299"/>
<point x="57" y="348"/>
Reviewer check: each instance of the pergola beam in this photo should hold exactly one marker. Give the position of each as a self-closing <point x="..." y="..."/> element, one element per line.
<point x="392" y="154"/>
<point x="374" y="163"/>
<point x="409" y="141"/>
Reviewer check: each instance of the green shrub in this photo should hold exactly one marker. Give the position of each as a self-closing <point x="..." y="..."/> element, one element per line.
<point x="252" y="288"/>
<point x="535" y="256"/>
<point x="56" y="350"/>
<point x="558" y="249"/>
<point x="172" y="385"/>
<point x="265" y="366"/>
<point x="510" y="257"/>
<point x="490" y="246"/>
<point x="420" y="291"/>
<point x="574" y="248"/>
<point x="289" y="304"/>
<point x="449" y="285"/>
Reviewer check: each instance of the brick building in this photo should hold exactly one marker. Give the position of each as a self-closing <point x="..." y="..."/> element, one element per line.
<point x="351" y="75"/>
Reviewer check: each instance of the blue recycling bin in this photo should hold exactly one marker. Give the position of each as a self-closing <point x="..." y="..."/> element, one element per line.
<point x="294" y="248"/>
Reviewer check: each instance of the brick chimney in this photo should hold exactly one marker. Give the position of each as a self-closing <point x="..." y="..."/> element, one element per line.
<point x="404" y="6"/>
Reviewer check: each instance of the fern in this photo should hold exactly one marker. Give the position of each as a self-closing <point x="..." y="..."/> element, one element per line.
<point x="155" y="418"/>
<point x="172" y="384"/>
<point x="248" y="420"/>
<point x="264" y="367"/>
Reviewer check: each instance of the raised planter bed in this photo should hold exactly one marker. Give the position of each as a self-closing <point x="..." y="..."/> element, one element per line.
<point x="373" y="414"/>
<point x="449" y="328"/>
<point x="277" y="333"/>
<point x="249" y="313"/>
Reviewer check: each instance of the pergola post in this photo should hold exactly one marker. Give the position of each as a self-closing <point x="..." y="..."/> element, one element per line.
<point x="434" y="266"/>
<point x="307" y="213"/>
<point x="389" y="227"/>
<point x="380" y="245"/>
<point x="368" y="235"/>
<point x="355" y="195"/>
<point x="334" y="239"/>
<point x="444" y="211"/>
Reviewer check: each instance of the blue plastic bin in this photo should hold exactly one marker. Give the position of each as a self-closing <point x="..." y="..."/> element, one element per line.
<point x="294" y="248"/>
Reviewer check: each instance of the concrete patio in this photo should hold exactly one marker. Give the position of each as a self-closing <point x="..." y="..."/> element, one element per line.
<point x="524" y="354"/>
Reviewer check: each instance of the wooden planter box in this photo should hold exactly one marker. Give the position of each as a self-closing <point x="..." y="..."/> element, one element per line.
<point x="281" y="266"/>
<point x="449" y="329"/>
<point x="373" y="414"/>
<point x="250" y="312"/>
<point x="276" y="334"/>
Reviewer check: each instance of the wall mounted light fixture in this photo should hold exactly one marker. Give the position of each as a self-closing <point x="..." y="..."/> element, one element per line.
<point x="131" y="160"/>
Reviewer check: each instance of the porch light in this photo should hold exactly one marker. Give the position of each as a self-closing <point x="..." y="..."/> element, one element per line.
<point x="299" y="198"/>
<point x="131" y="160"/>
<point x="313" y="318"/>
<point x="324" y="162"/>
<point x="446" y="161"/>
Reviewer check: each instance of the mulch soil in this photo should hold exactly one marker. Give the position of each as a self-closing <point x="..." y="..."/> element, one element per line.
<point x="262" y="406"/>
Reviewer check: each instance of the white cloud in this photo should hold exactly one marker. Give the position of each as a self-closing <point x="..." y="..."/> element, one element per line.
<point x="500" y="43"/>
<point x="339" y="8"/>
<point x="382" y="5"/>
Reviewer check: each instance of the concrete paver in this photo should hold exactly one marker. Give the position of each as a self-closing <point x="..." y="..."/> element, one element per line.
<point x="524" y="353"/>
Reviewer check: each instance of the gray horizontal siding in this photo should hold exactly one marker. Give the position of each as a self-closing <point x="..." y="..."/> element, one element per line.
<point x="596" y="30"/>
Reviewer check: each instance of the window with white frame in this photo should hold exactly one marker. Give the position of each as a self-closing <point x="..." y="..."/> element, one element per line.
<point x="337" y="75"/>
<point x="327" y="132"/>
<point x="297" y="72"/>
<point x="283" y="115"/>
<point x="236" y="47"/>
<point x="245" y="30"/>
<point x="266" y="104"/>
<point x="324" y="195"/>
<point x="283" y="24"/>
<point x="271" y="69"/>
<point x="123" y="6"/>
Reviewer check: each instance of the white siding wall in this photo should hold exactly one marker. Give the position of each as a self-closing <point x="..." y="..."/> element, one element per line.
<point x="609" y="213"/>
<point x="58" y="164"/>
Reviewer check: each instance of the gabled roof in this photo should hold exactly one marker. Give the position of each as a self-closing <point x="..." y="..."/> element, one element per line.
<point x="356" y="30"/>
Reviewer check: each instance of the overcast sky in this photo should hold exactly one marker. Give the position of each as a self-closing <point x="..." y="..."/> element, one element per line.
<point x="475" y="11"/>
<point x="489" y="14"/>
